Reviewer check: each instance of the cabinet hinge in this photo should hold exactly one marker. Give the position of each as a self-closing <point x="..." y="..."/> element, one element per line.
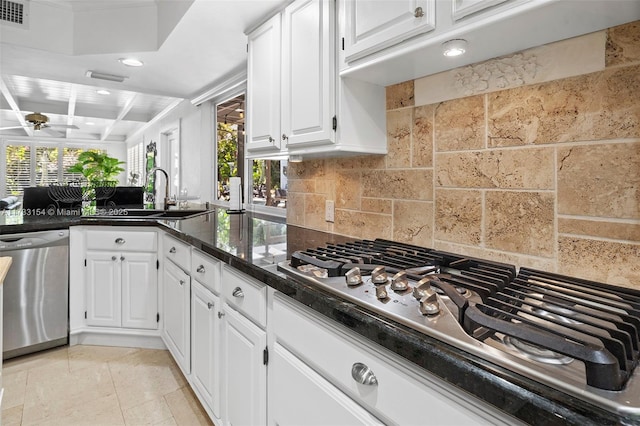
<point x="342" y="43"/>
<point x="265" y="356"/>
<point x="335" y="122"/>
<point x="85" y="314"/>
<point x="85" y="262"/>
<point x="158" y="317"/>
<point x="157" y="264"/>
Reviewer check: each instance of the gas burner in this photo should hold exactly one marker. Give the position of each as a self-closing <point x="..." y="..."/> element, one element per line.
<point x="535" y="352"/>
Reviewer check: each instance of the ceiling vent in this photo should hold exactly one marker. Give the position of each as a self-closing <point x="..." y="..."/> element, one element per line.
<point x="15" y="13"/>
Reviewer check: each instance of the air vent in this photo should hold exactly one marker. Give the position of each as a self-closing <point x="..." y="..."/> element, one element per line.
<point x="15" y="13"/>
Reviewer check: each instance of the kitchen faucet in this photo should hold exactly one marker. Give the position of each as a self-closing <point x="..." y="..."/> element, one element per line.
<point x="167" y="201"/>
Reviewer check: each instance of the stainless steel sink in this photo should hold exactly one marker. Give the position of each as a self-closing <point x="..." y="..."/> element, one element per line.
<point x="131" y="214"/>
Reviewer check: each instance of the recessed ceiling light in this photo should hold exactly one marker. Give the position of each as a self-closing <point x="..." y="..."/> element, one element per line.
<point x="131" y="62"/>
<point x="455" y="47"/>
<point x="103" y="92"/>
<point x="89" y="123"/>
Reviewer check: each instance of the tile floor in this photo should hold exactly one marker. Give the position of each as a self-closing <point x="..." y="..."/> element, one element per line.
<point x="98" y="386"/>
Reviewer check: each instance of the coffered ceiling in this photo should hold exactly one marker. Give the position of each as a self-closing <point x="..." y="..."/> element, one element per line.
<point x="187" y="47"/>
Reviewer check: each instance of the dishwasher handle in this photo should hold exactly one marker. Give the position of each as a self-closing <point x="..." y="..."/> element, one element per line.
<point x="37" y="239"/>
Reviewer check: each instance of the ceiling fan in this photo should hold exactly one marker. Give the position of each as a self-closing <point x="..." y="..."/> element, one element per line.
<point x="39" y="122"/>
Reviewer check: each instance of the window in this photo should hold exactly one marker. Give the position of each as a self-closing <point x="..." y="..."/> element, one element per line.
<point x="229" y="144"/>
<point x="269" y="183"/>
<point x="136" y="165"/>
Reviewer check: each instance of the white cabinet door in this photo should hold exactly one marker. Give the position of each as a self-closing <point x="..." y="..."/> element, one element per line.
<point x="298" y="394"/>
<point x="205" y="344"/>
<point x="103" y="291"/>
<point x="245" y="375"/>
<point x="263" y="87"/>
<point x="372" y="25"/>
<point x="177" y="314"/>
<point x="139" y="290"/>
<point x="308" y="73"/>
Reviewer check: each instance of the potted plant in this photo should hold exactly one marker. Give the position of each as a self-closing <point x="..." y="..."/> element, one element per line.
<point x="99" y="170"/>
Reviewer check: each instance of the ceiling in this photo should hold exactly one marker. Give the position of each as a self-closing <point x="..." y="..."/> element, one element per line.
<point x="187" y="46"/>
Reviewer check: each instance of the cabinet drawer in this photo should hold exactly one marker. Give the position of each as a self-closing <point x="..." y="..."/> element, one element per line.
<point x="206" y="270"/>
<point x="400" y="393"/>
<point x="245" y="294"/>
<point x="126" y="240"/>
<point x="177" y="251"/>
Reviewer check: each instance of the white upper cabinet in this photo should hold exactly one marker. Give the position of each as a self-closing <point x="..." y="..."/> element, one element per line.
<point x="462" y="8"/>
<point x="263" y="86"/>
<point x="308" y="81"/>
<point x="372" y="25"/>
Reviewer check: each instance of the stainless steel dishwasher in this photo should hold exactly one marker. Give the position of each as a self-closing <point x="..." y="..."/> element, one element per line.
<point x="36" y="292"/>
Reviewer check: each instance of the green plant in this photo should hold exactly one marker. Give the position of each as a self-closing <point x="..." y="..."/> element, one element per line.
<point x="97" y="167"/>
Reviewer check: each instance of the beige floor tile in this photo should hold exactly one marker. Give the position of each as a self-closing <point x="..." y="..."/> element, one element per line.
<point x="103" y="411"/>
<point x="53" y="359"/>
<point x="152" y="412"/>
<point x="82" y="356"/>
<point x="52" y="395"/>
<point x="12" y="416"/>
<point x="186" y="409"/>
<point x="15" y="385"/>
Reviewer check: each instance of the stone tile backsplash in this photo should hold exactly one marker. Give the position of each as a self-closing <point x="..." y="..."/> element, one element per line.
<point x="545" y="175"/>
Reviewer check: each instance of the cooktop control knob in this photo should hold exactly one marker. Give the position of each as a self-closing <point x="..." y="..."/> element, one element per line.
<point x="429" y="304"/>
<point x="420" y="290"/>
<point x="353" y="276"/>
<point x="379" y="276"/>
<point x="399" y="282"/>
<point x="381" y="292"/>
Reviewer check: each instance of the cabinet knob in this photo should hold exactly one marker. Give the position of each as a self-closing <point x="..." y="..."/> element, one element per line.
<point x="237" y="292"/>
<point x="418" y="13"/>
<point x="363" y="374"/>
<point x="172" y="250"/>
<point x="200" y="269"/>
<point x="220" y="314"/>
<point x="120" y="241"/>
<point x="121" y="257"/>
<point x="209" y="305"/>
<point x="284" y="137"/>
<point x="271" y="140"/>
<point x="181" y="282"/>
<point x="113" y="258"/>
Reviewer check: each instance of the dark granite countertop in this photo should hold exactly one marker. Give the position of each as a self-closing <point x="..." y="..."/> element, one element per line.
<point x="254" y="244"/>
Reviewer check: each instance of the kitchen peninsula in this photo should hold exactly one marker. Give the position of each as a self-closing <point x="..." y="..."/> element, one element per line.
<point x="239" y="246"/>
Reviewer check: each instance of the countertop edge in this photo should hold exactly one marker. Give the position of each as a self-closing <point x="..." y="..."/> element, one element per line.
<point x="5" y="264"/>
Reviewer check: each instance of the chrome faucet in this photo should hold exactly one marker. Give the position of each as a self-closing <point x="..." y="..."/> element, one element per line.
<point x="167" y="200"/>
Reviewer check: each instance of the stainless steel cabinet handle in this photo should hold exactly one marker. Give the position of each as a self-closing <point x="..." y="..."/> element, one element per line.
<point x="113" y="258"/>
<point x="120" y="241"/>
<point x="181" y="282"/>
<point x="363" y="374"/>
<point x="237" y="292"/>
<point x="200" y="269"/>
<point x="220" y="314"/>
<point x="172" y="250"/>
<point x="209" y="305"/>
<point x="418" y="13"/>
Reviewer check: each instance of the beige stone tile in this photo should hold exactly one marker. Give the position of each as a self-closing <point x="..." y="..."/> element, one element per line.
<point x="597" y="260"/>
<point x="376" y="205"/>
<point x="154" y="412"/>
<point x="623" y="44"/>
<point x="400" y="95"/>
<point x="145" y="376"/>
<point x="543" y="264"/>
<point x="55" y="395"/>
<point x="307" y="169"/>
<point x="295" y="208"/>
<point x="600" y="228"/>
<point x="413" y="222"/>
<point x="12" y="416"/>
<point x="521" y="222"/>
<point x="531" y="168"/>
<point x="422" y="155"/>
<point x="301" y="185"/>
<point x="326" y="186"/>
<point x="362" y="224"/>
<point x="101" y="411"/>
<point x="185" y="408"/>
<point x="369" y="162"/>
<point x="460" y="124"/>
<point x="601" y="105"/>
<point x="15" y="386"/>
<point x="414" y="184"/>
<point x="458" y="216"/>
<point x="54" y="359"/>
<point x="399" y="125"/>
<point x="348" y="189"/>
<point x="314" y="211"/>
<point x="83" y="356"/>
<point x="600" y="180"/>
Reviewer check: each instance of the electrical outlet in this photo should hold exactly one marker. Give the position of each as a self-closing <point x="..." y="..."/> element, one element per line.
<point x="329" y="210"/>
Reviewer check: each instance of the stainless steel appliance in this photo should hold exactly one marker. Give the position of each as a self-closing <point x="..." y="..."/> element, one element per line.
<point x="578" y="336"/>
<point x="36" y="292"/>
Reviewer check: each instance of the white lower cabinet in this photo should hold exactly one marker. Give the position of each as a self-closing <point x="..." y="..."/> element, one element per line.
<point x="245" y="372"/>
<point x="205" y="345"/>
<point x="176" y="314"/>
<point x="298" y="395"/>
